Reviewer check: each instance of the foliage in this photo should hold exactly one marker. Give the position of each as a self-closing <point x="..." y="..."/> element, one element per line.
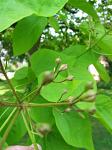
<point x="54" y="97"/>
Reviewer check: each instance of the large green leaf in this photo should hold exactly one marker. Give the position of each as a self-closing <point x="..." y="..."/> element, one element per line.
<point x="104" y="110"/>
<point x="84" y="6"/>
<point x="75" y="130"/>
<point x="14" y="10"/>
<point x="27" y="32"/>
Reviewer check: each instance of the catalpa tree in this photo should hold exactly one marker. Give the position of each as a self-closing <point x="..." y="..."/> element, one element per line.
<point x="51" y="101"/>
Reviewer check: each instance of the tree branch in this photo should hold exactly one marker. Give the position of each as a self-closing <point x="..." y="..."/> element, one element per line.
<point x="9" y="82"/>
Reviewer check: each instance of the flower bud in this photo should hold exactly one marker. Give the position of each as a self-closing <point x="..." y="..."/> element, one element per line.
<point x="48" y="77"/>
<point x="90" y="99"/>
<point x="65" y="91"/>
<point x="63" y="67"/>
<point x="67" y="109"/>
<point x="70" y="99"/>
<point x="88" y="96"/>
<point x="70" y="78"/>
<point x="58" y="60"/>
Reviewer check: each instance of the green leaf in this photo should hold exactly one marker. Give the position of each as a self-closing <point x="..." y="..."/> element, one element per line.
<point x="54" y="23"/>
<point x="105" y="45"/>
<point x="42" y="114"/>
<point x="18" y="130"/>
<point x="58" y="90"/>
<point x="54" y="141"/>
<point x="102" y="72"/>
<point x="81" y="65"/>
<point x="104" y="110"/>
<point x="13" y="11"/>
<point x="83" y="58"/>
<point x="75" y="50"/>
<point x="21" y="73"/>
<point x="84" y="6"/>
<point x="44" y="60"/>
<point x="27" y="33"/>
<point x="103" y="39"/>
<point x="73" y="129"/>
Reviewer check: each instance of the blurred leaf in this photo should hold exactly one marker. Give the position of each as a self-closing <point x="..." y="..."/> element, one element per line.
<point x="17" y="10"/>
<point x="84" y="6"/>
<point x="54" y="23"/>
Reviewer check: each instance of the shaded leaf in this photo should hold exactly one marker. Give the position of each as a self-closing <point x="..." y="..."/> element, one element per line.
<point x="73" y="129"/>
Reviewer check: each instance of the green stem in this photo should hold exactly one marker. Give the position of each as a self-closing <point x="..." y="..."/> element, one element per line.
<point x="4" y="112"/>
<point x="9" y="128"/>
<point x="9" y="82"/>
<point x="31" y="126"/>
<point x="25" y="105"/>
<point x="29" y="132"/>
<point x="7" y="120"/>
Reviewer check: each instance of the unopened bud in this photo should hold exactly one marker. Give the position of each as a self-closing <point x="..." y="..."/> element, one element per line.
<point x="63" y="67"/>
<point x="70" y="99"/>
<point x="70" y="78"/>
<point x="89" y="96"/>
<point x="58" y="60"/>
<point x="48" y="77"/>
<point x="90" y="99"/>
<point x="65" y="91"/>
<point x="67" y="109"/>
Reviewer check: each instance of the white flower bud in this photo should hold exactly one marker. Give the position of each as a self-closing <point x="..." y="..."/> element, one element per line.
<point x="70" y="99"/>
<point x="48" y="77"/>
<point x="58" y="60"/>
<point x="65" y="91"/>
<point x="70" y="78"/>
<point x="63" y="67"/>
